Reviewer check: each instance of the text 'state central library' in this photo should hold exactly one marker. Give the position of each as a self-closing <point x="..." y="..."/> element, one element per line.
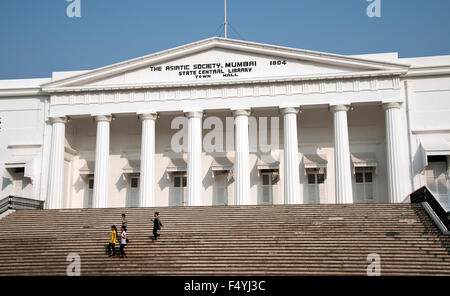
<point x="228" y="122"/>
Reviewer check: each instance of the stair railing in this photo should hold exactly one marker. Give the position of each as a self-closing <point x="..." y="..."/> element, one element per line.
<point x="20" y="203"/>
<point x="423" y="194"/>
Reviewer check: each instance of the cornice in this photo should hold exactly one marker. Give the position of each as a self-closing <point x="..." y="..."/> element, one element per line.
<point x="428" y="71"/>
<point x="22" y="92"/>
<point x="211" y="91"/>
<point x="279" y="79"/>
<point x="289" y="88"/>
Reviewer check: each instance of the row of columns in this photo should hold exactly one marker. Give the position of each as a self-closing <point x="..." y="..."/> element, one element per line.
<point x="343" y="179"/>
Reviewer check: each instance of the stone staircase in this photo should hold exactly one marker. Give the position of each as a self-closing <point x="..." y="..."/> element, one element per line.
<point x="231" y="240"/>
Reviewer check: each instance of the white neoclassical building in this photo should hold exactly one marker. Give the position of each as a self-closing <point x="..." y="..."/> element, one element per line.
<point x="229" y="122"/>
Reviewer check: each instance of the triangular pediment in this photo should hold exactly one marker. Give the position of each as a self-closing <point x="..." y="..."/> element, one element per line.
<point x="223" y="60"/>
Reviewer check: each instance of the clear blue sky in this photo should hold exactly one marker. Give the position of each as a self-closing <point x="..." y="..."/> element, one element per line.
<point x="37" y="37"/>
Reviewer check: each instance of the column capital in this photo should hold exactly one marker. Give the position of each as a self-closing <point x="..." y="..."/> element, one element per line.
<point x="335" y="108"/>
<point x="191" y="114"/>
<point x="146" y="116"/>
<point x="392" y="105"/>
<point x="241" y="112"/>
<point x="104" y="117"/>
<point x="58" y="119"/>
<point x="289" y="110"/>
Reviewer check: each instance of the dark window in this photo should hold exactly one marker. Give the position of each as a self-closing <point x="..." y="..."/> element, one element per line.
<point x="320" y="178"/>
<point x="437" y="158"/>
<point x="19" y="170"/>
<point x="359" y="177"/>
<point x="368" y="177"/>
<point x="134" y="182"/>
<point x="91" y="183"/>
<point x="177" y="182"/>
<point x="266" y="179"/>
<point x="311" y="179"/>
<point x="180" y="181"/>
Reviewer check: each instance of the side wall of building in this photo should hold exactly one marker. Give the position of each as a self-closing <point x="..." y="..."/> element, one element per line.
<point x="428" y="103"/>
<point x="21" y="145"/>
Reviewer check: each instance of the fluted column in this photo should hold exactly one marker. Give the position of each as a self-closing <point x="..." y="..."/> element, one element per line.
<point x="342" y="169"/>
<point x="147" y="178"/>
<point x="101" y="177"/>
<point x="194" y="158"/>
<point x="56" y="167"/>
<point x="291" y="164"/>
<point x="241" y="166"/>
<point x="393" y="136"/>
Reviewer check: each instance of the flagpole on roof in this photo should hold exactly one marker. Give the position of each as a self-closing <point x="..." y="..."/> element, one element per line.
<point x="226" y="22"/>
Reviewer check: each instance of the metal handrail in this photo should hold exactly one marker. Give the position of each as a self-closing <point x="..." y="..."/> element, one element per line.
<point x="423" y="194"/>
<point x="20" y="203"/>
<point x="4" y="205"/>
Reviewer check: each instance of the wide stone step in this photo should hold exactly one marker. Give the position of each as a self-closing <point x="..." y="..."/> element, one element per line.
<point x="234" y="240"/>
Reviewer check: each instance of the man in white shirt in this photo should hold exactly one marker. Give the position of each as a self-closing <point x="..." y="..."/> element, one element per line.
<point x="123" y="242"/>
